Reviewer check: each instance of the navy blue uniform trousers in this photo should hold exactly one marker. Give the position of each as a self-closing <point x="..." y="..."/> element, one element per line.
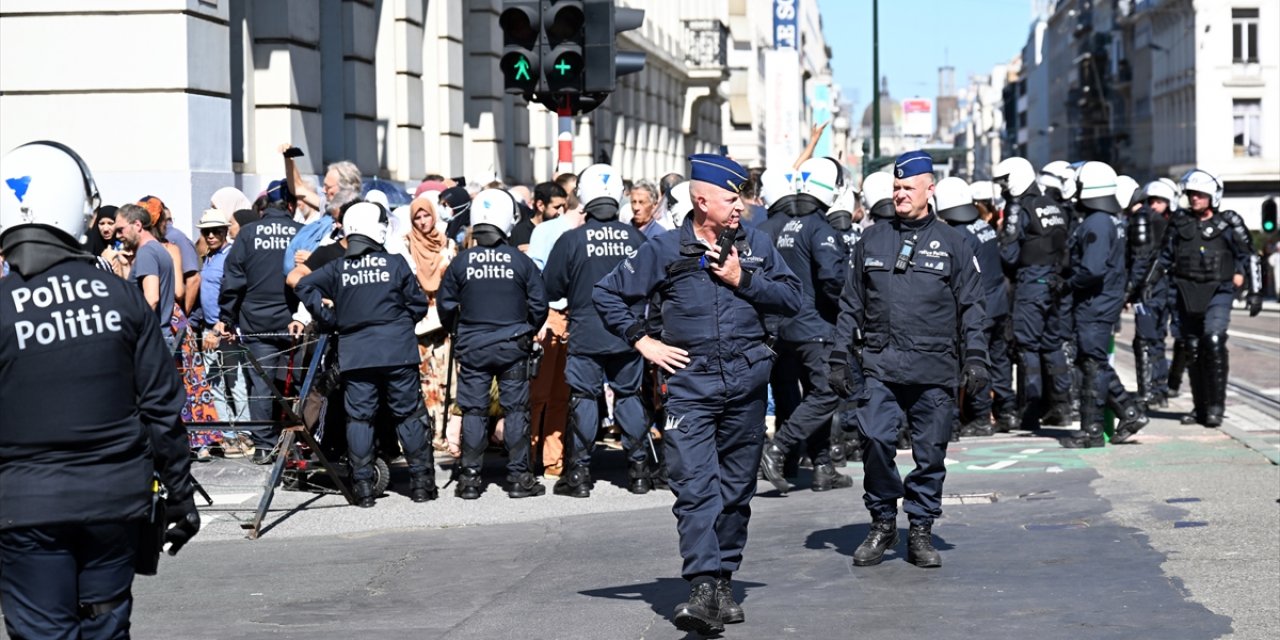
<point x="476" y="371"/>
<point x="397" y="388"/>
<point x="47" y="572"/>
<point x="587" y="375"/>
<point x="930" y="414"/>
<point x="805" y="412"/>
<point x="712" y="439"/>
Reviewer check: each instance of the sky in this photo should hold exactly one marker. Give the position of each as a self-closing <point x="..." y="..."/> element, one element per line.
<point x="917" y="37"/>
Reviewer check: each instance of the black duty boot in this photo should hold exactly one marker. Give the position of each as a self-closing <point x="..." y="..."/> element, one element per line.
<point x="1177" y="366"/>
<point x="422" y="488"/>
<point x="882" y="537"/>
<point x="574" y="482"/>
<point x="1216" y="367"/>
<point x="468" y="485"/>
<point x="1143" y="368"/>
<point x="826" y="478"/>
<point x="977" y="427"/>
<point x="772" y="460"/>
<point x="638" y="481"/>
<point x="364" y="493"/>
<point x="1131" y="420"/>
<point x="701" y="614"/>
<point x="1058" y="415"/>
<point x="1091" y="434"/>
<point x="855" y="447"/>
<point x="1007" y="420"/>
<point x="524" y="485"/>
<point x="920" y="551"/>
<point x="730" y="610"/>
<point x="904" y="438"/>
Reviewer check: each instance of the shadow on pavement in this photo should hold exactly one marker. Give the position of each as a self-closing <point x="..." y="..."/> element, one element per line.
<point x="845" y="540"/>
<point x="663" y="594"/>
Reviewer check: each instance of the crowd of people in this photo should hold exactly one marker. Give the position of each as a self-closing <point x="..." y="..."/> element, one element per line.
<point x="897" y="312"/>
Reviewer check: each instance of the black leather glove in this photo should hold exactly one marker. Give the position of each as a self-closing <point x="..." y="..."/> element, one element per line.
<point x="184" y="523"/>
<point x="1057" y="285"/>
<point x="1254" y="301"/>
<point x="975" y="377"/>
<point x="840" y="378"/>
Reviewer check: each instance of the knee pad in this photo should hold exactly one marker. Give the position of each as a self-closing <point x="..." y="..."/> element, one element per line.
<point x="1216" y="341"/>
<point x="476" y="411"/>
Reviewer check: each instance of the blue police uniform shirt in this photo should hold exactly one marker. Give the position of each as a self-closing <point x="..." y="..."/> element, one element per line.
<point x="253" y="294"/>
<point x="919" y="322"/>
<point x="376" y="303"/>
<point x="91" y="400"/>
<point x="493" y="294"/>
<point x="816" y="254"/>
<point x="1098" y="271"/>
<point x="983" y="241"/>
<point x="580" y="258"/>
<point x="700" y="313"/>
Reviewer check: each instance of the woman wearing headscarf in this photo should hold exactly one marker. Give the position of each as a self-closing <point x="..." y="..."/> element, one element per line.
<point x="431" y="251"/>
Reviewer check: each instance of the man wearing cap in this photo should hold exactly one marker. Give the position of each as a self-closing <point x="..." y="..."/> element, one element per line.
<point x="716" y="363"/>
<point x="912" y="317"/>
<point x="213" y="227"/>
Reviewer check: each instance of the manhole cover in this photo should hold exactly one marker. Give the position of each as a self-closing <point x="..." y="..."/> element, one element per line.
<point x="1054" y="526"/>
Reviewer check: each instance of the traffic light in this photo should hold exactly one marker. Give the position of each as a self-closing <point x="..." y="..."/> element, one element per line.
<point x="521" y="23"/>
<point x="604" y="62"/>
<point x="562" y="22"/>
<point x="1269" y="215"/>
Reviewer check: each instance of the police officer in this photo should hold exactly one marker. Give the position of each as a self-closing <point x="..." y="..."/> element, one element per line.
<point x="1208" y="253"/>
<point x="846" y="216"/>
<point x="580" y="258"/>
<point x="255" y="299"/>
<point x="956" y="207"/>
<point x="778" y="193"/>
<point x="814" y="252"/>
<point x="92" y="413"/>
<point x="911" y="302"/>
<point x="1033" y="243"/>
<point x="1098" y="279"/>
<point x="493" y="293"/>
<point x="877" y="196"/>
<point x="717" y="363"/>
<point x="376" y="301"/>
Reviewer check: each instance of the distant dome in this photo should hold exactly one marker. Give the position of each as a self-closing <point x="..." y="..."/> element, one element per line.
<point x="890" y="111"/>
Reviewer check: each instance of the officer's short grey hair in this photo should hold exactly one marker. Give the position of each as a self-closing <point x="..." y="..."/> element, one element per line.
<point x="348" y="174"/>
<point x="651" y="188"/>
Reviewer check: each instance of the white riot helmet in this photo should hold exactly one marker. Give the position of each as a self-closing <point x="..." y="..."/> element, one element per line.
<point x="846" y="201"/>
<point x="1202" y="181"/>
<point x="822" y="178"/>
<point x="1161" y="189"/>
<point x="497" y="208"/>
<point x="955" y="200"/>
<point x="876" y="187"/>
<point x="46" y="183"/>
<point x="982" y="190"/>
<point x="1066" y="175"/>
<point x="679" y="203"/>
<point x="1014" y="175"/>
<point x="776" y="184"/>
<point x="1098" y="186"/>
<point x="368" y="219"/>
<point x="599" y="181"/>
<point x="1126" y="191"/>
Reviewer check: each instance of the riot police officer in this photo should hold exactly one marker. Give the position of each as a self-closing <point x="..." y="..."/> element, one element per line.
<point x="912" y="300"/>
<point x="713" y="352"/>
<point x="1033" y="241"/>
<point x="846" y="216"/>
<point x="1146" y="233"/>
<point x="376" y="301"/>
<point x="1208" y="253"/>
<point x="1098" y="279"/>
<point x="956" y="207"/>
<point x="92" y="414"/>
<point x="778" y="194"/>
<point x="256" y="301"/>
<point x="493" y="294"/>
<point x="877" y="196"/>
<point x="814" y="252"/>
<point x="580" y="258"/>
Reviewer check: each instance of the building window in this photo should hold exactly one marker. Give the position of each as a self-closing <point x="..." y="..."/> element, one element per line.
<point x="1246" y="117"/>
<point x="1244" y="35"/>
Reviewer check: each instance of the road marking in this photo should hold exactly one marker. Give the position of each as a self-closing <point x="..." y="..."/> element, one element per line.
<point x="1053" y="470"/>
<point x="1254" y="336"/>
<point x="995" y="466"/>
<point x="1031" y="451"/>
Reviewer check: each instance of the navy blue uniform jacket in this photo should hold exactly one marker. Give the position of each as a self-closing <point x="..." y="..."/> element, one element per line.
<point x="90" y="400"/>
<point x="1098" y="273"/>
<point x="700" y="313"/>
<point x="253" y="294"/>
<point x="376" y="302"/>
<point x="494" y="294"/>
<point x="579" y="259"/>
<point x="817" y="255"/>
<point x="916" y="323"/>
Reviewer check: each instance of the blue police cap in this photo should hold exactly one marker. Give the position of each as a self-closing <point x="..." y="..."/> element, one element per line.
<point x="717" y="170"/>
<point x="277" y="190"/>
<point x="912" y="163"/>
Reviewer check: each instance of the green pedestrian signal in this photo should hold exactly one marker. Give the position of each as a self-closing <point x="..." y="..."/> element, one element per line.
<point x="522" y="69"/>
<point x="563" y="67"/>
